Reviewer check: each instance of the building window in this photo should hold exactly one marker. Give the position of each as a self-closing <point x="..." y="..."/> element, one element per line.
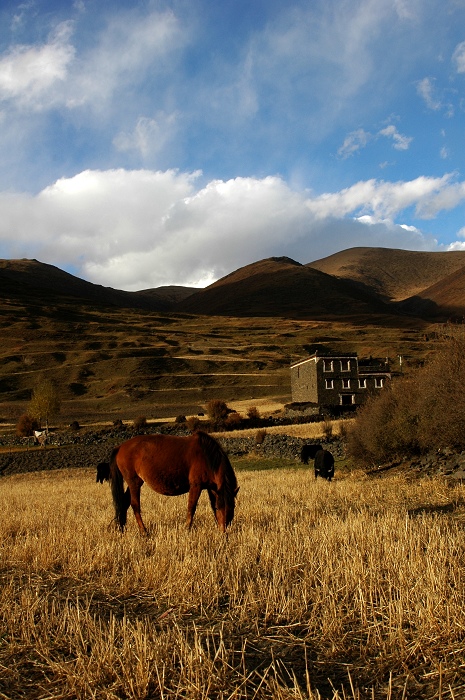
<point x="347" y="399"/>
<point x="327" y="365"/>
<point x="379" y="381"/>
<point x="345" y="365"/>
<point x="346" y="383"/>
<point x="362" y="383"/>
<point x="330" y="383"/>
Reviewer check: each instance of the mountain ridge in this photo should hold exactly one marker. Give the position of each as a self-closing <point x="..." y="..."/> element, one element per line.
<point x="353" y="282"/>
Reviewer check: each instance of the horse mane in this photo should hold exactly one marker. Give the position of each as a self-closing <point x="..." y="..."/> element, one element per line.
<point x="219" y="460"/>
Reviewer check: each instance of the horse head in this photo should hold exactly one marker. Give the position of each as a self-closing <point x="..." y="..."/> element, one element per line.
<point x="225" y="502"/>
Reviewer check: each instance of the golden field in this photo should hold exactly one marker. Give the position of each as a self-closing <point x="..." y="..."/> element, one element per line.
<point x="353" y="589"/>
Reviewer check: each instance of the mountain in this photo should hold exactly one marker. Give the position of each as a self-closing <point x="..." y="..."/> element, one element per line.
<point x="394" y="274"/>
<point x="37" y="281"/>
<point x="446" y="297"/>
<point x="171" y="294"/>
<point x="284" y="287"/>
<point x="358" y="282"/>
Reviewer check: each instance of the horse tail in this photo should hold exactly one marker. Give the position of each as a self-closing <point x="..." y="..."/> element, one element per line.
<point x="121" y="498"/>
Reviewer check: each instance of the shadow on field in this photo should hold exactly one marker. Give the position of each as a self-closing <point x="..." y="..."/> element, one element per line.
<point x="437" y="509"/>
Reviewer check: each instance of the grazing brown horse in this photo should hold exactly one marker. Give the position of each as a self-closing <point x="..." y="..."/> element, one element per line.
<point x="171" y="465"/>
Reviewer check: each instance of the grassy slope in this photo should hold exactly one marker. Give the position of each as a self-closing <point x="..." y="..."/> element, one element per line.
<point x="125" y="363"/>
<point x="112" y="361"/>
<point x="395" y="274"/>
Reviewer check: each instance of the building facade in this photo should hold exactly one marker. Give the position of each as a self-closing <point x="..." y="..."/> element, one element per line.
<point x="329" y="381"/>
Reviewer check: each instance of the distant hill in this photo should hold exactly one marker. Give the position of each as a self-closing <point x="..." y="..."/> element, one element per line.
<point x="359" y="282"/>
<point x="39" y="281"/>
<point x="446" y="297"/>
<point x="394" y="274"/>
<point x="283" y="287"/>
<point x="171" y="294"/>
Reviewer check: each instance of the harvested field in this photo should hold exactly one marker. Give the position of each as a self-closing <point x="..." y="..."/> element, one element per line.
<point x="348" y="590"/>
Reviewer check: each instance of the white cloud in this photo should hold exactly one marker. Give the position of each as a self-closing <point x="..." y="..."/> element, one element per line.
<point x="354" y="142"/>
<point x="150" y="136"/>
<point x="142" y="229"/>
<point x="426" y="89"/>
<point x="57" y="74"/>
<point x="28" y="73"/>
<point x="123" y="54"/>
<point x="458" y="57"/>
<point x="457" y="245"/>
<point x="407" y="9"/>
<point x="401" y="142"/>
<point x="385" y="200"/>
<point x="360" y="138"/>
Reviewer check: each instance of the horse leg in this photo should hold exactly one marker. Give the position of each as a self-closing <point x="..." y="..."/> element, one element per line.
<point x="194" y="495"/>
<point x="212" y="497"/>
<point x="134" y="489"/>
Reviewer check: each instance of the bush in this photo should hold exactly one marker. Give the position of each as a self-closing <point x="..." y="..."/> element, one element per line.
<point x="74" y="425"/>
<point x="45" y="401"/>
<point x="233" y="421"/>
<point x="260" y="436"/>
<point x="253" y="413"/>
<point x="118" y="423"/>
<point x="217" y="412"/>
<point x="328" y="428"/>
<point x="140" y="423"/>
<point x="342" y="431"/>
<point x="26" y="425"/>
<point x="386" y="426"/>
<point x="441" y="398"/>
<point x="180" y="419"/>
<point x="425" y="411"/>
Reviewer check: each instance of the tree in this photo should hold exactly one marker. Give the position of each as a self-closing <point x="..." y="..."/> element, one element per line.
<point x="45" y="402"/>
<point x="217" y="412"/>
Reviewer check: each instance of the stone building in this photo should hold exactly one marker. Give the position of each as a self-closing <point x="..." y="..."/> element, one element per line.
<point x="343" y="381"/>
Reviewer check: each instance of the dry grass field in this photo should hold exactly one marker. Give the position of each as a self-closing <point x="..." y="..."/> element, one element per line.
<point x="353" y="589"/>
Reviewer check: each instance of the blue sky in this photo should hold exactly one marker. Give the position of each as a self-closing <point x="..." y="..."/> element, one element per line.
<point x="171" y="142"/>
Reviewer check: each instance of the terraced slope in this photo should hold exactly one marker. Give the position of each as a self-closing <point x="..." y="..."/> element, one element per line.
<point x="110" y="360"/>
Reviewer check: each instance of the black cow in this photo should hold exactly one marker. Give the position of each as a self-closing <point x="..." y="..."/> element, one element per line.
<point x="324" y="464"/>
<point x="103" y="472"/>
<point x="309" y="452"/>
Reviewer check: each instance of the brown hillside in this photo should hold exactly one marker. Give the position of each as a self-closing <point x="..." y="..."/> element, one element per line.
<point x="39" y="281"/>
<point x="281" y="287"/>
<point x="171" y="293"/>
<point x="394" y="274"/>
<point x="112" y="360"/>
<point x="448" y="295"/>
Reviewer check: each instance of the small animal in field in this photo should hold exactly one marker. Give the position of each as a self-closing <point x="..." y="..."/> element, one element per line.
<point x="103" y="472"/>
<point x="324" y="464"/>
<point x="309" y="452"/>
<point x="171" y="465"/>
